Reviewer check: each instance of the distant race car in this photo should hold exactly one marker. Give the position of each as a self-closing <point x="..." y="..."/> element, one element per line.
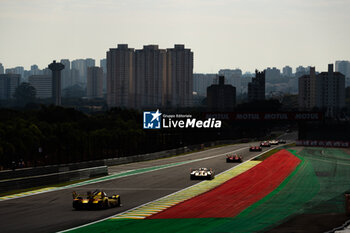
<point x="234" y="159"/>
<point x="273" y="142"/>
<point x="95" y="200"/>
<point x="282" y="141"/>
<point x="202" y="173"/>
<point x="265" y="144"/>
<point x="255" y="148"/>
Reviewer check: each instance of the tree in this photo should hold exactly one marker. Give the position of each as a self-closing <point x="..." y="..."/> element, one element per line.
<point x="25" y="93"/>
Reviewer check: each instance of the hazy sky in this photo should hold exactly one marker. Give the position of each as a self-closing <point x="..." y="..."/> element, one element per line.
<point x="246" y="34"/>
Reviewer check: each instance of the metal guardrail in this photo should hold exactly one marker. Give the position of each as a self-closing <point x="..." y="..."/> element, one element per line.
<point x="52" y="178"/>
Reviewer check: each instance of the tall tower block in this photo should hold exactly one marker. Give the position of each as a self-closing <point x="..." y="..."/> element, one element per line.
<point x="56" y="81"/>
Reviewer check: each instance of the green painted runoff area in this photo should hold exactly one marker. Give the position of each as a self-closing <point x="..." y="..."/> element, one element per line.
<point x="317" y="185"/>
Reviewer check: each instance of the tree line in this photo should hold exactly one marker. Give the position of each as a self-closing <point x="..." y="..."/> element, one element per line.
<point x="57" y="135"/>
<point x="54" y="135"/>
<point x="47" y="134"/>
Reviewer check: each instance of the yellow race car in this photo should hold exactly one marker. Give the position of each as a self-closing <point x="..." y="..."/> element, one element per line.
<point x="95" y="200"/>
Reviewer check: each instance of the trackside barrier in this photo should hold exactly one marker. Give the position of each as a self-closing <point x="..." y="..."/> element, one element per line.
<point x="53" y="178"/>
<point x="340" y="144"/>
<point x="36" y="171"/>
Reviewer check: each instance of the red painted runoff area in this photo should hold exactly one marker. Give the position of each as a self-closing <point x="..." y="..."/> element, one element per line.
<point x="235" y="195"/>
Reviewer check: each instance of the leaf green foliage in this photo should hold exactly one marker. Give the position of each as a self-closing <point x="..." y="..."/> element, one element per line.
<point x="65" y="135"/>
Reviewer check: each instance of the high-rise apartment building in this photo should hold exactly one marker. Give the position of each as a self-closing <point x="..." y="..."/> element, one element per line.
<point x="81" y="67"/>
<point x="74" y="77"/>
<point x="120" y="76"/>
<point x="150" y="77"/>
<point x="42" y="85"/>
<point x="34" y="70"/>
<point x="301" y="70"/>
<point x="323" y="91"/>
<point x="90" y="62"/>
<point x="201" y="82"/>
<point x="103" y="65"/>
<point x="333" y="90"/>
<point x="256" y="88"/>
<point x="179" y="85"/>
<point x="272" y="75"/>
<point x="344" y="68"/>
<point x="221" y="97"/>
<point x="17" y="70"/>
<point x="46" y="71"/>
<point x="2" y="69"/>
<point x="8" y="85"/>
<point x="233" y="77"/>
<point x="309" y="86"/>
<point x="94" y="82"/>
<point x="66" y="80"/>
<point x="287" y="71"/>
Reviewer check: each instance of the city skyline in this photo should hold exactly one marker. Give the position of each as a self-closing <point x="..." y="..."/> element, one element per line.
<point x="18" y="69"/>
<point x="222" y="34"/>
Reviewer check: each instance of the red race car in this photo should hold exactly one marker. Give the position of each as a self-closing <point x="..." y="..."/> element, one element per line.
<point x="255" y="148"/>
<point x="234" y="159"/>
<point x="265" y="144"/>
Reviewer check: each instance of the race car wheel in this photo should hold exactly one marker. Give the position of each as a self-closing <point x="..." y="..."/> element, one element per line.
<point x="119" y="203"/>
<point x="106" y="204"/>
<point x="76" y="207"/>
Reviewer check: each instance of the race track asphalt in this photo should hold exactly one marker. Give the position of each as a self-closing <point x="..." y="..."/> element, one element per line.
<point x="52" y="211"/>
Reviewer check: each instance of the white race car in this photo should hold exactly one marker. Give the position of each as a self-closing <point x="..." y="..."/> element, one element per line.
<point x="202" y="174"/>
<point x="265" y="144"/>
<point x="274" y="142"/>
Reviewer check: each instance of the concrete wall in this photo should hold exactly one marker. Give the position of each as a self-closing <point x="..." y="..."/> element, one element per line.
<point x="35" y="171"/>
<point x="52" y="178"/>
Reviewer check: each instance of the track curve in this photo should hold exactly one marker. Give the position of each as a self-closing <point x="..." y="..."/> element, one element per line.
<point x="52" y="211"/>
